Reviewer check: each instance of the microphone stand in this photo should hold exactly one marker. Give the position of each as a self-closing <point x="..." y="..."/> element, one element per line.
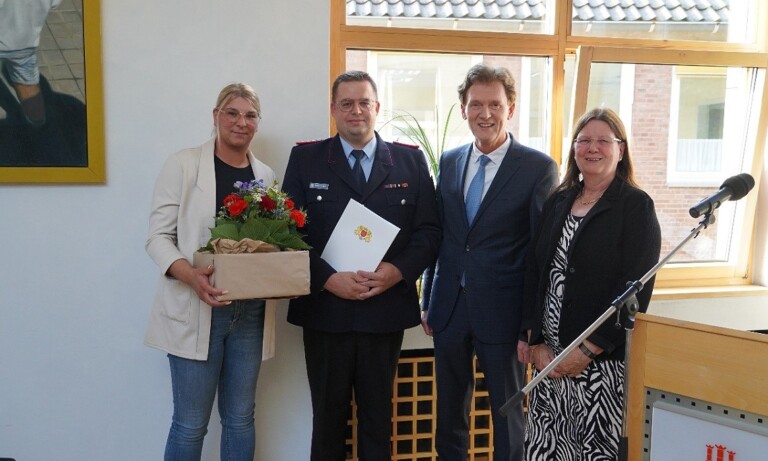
<point x="627" y="305"/>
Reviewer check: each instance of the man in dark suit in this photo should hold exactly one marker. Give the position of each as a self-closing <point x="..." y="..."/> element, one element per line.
<point x="489" y="194"/>
<point x="354" y="321"/>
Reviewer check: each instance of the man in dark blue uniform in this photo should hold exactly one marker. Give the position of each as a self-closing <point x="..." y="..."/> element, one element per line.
<point x="354" y="321"/>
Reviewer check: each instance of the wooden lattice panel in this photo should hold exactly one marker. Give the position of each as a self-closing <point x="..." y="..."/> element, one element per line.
<point x="413" y="413"/>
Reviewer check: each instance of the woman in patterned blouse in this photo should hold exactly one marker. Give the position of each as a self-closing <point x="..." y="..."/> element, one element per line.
<point x="598" y="231"/>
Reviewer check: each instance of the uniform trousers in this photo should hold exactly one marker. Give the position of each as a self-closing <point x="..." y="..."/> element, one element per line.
<point x="339" y="364"/>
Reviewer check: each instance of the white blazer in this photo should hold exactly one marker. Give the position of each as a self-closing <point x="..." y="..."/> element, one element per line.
<point x="183" y="211"/>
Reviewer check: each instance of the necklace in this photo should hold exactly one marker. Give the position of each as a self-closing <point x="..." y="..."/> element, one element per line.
<point x="589" y="202"/>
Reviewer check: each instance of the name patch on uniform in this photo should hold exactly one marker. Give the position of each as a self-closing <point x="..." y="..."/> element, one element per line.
<point x="401" y="185"/>
<point x="318" y="185"/>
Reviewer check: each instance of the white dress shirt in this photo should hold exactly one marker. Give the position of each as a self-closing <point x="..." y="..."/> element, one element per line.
<point x="491" y="168"/>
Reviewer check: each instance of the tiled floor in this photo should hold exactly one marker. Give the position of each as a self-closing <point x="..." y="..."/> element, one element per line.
<point x="60" y="55"/>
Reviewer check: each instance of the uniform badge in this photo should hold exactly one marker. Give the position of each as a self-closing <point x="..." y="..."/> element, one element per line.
<point x="397" y="185"/>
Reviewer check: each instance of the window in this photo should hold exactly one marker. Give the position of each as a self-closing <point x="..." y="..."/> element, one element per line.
<point x="418" y="87"/>
<point x="422" y="87"/>
<point x="679" y="122"/>
<point x="686" y="77"/>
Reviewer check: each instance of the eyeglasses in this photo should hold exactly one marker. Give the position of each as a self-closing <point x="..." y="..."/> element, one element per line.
<point x="231" y="115"/>
<point x="346" y="105"/>
<point x="601" y="142"/>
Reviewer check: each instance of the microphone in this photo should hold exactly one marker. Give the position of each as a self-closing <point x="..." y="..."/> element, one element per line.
<point x="733" y="188"/>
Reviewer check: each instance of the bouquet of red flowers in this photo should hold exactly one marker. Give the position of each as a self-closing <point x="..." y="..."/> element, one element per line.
<point x="259" y="213"/>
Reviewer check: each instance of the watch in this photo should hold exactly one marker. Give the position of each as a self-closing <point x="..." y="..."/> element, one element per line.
<point x="585" y="350"/>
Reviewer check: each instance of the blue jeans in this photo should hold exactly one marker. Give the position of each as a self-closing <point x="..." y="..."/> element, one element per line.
<point x="21" y="66"/>
<point x="234" y="359"/>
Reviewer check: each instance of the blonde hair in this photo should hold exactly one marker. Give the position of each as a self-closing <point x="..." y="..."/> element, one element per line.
<point x="238" y="90"/>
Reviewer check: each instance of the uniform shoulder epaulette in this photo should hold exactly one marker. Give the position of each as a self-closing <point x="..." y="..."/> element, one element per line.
<point x="412" y="146"/>
<point x="311" y="141"/>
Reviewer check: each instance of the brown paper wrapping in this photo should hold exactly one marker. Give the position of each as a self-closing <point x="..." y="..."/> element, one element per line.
<point x="227" y="246"/>
<point x="262" y="275"/>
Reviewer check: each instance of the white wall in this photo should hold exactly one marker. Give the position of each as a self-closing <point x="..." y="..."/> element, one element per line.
<point x="76" y="383"/>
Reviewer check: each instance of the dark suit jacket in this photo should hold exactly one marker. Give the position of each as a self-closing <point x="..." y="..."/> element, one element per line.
<point x="399" y="189"/>
<point x="617" y="242"/>
<point x="490" y="252"/>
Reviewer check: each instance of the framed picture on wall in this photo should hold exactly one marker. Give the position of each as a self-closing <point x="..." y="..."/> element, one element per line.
<point x="51" y="103"/>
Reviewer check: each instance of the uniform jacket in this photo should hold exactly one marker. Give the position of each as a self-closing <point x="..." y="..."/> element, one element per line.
<point x="617" y="242"/>
<point x="491" y="251"/>
<point x="400" y="190"/>
<point x="183" y="211"/>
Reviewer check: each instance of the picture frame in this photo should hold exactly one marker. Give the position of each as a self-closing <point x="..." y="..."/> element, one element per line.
<point x="68" y="146"/>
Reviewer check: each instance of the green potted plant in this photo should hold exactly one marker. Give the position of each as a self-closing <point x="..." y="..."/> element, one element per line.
<point x="410" y="127"/>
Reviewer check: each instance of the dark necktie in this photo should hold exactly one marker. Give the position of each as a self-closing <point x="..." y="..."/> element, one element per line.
<point x="475" y="191"/>
<point x="357" y="168"/>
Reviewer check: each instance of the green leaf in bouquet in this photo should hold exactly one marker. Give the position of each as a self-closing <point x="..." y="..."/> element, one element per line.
<point x="276" y="231"/>
<point x="226" y="230"/>
<point x="260" y="213"/>
<point x="255" y="229"/>
<point x="292" y="241"/>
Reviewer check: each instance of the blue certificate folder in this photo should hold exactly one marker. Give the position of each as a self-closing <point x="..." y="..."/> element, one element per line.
<point x="359" y="240"/>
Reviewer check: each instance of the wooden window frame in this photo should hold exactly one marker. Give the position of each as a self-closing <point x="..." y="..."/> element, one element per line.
<point x="738" y="270"/>
<point x="557" y="46"/>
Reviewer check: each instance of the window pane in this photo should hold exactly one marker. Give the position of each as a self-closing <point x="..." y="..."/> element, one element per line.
<point x="526" y="16"/>
<point x="418" y="91"/>
<point x="698" y="104"/>
<point x="703" y="20"/>
<point x="674" y="115"/>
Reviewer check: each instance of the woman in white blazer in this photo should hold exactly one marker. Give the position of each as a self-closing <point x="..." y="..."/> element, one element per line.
<point x="211" y="345"/>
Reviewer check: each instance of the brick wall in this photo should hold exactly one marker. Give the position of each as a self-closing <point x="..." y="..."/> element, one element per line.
<point x="649" y="147"/>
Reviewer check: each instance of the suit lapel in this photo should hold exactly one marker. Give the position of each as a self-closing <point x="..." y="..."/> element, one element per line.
<point x="382" y="164"/>
<point x="462" y="161"/>
<point x="610" y="196"/>
<point x="561" y="209"/>
<point x="339" y="164"/>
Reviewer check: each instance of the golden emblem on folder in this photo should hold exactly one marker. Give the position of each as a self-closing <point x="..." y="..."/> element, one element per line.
<point x="363" y="233"/>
